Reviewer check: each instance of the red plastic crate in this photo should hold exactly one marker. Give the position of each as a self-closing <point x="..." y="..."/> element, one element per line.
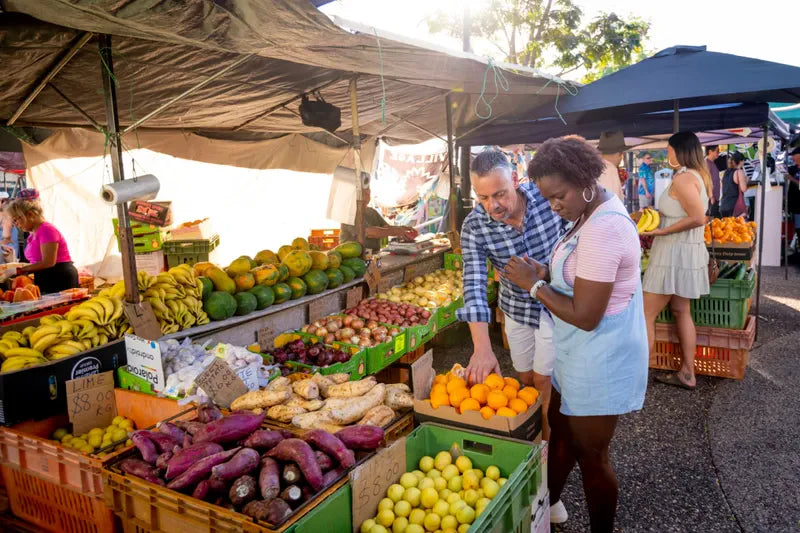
<point x="708" y="360"/>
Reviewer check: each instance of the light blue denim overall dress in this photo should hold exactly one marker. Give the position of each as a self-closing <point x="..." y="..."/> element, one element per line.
<point x="603" y="371"/>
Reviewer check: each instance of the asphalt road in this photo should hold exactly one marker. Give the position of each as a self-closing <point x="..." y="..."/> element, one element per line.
<point x="722" y="458"/>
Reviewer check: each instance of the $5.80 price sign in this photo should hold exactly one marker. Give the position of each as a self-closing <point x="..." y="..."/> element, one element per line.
<point x="371" y="480"/>
<point x="91" y="402"/>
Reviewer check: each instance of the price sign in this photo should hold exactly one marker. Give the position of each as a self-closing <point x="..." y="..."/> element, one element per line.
<point x="372" y="276"/>
<point x="90" y="402"/>
<point x="249" y="376"/>
<point x="371" y="480"/>
<point x="144" y="360"/>
<point x="455" y="241"/>
<point x="265" y="337"/>
<point x="220" y="383"/>
<point x="354" y="296"/>
<point x="149" y="213"/>
<point x="143" y="320"/>
<point x="323" y="306"/>
<point x="409" y="273"/>
<point x="400" y="343"/>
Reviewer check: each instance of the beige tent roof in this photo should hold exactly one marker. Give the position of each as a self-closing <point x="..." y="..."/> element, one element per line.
<point x="164" y="48"/>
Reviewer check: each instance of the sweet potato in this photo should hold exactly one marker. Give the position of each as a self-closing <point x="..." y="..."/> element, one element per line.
<point x="263" y="439"/>
<point x="341" y="377"/>
<point x="291" y="474"/>
<point x="380" y="415"/>
<point x="229" y="429"/>
<point x="202" y="490"/>
<point x="399" y="386"/>
<point x="278" y="511"/>
<point x="190" y="426"/>
<point x="243" y="490"/>
<point x="398" y="399"/>
<point x="163" y="441"/>
<point x="311" y="420"/>
<point x="172" y="430"/>
<point x="301" y="453"/>
<point x="208" y="412"/>
<point x="279" y="383"/>
<point x="184" y="459"/>
<point x="322" y="383"/>
<point x="323" y="460"/>
<point x="187" y="441"/>
<point x="269" y="483"/>
<point x="331" y="476"/>
<point x="351" y="389"/>
<point x="258" y="509"/>
<point x="200" y="470"/>
<point x="308" y="405"/>
<point x="324" y="441"/>
<point x="357" y="407"/>
<point x="329" y="427"/>
<point x="244" y="462"/>
<point x="284" y="413"/>
<point x="145" y="447"/>
<point x="361" y="437"/>
<point x="259" y="399"/>
<point x="163" y="460"/>
<point x="138" y="468"/>
<point x="293" y="495"/>
<point x="306" y="389"/>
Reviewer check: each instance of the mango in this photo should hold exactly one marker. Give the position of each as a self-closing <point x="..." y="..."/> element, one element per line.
<point x="222" y="282"/>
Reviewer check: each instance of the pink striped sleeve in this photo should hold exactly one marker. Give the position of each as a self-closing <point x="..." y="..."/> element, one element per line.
<point x="600" y="249"/>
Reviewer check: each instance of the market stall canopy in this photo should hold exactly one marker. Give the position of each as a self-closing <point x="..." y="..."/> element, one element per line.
<point x="690" y="75"/>
<point x="286" y="48"/>
<point x="717" y="124"/>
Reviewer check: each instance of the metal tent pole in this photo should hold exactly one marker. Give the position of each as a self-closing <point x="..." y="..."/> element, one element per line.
<point x="676" y="121"/>
<point x="360" y="207"/>
<point x="786" y="228"/>
<point x="115" y="143"/>
<point x="451" y="167"/>
<point x="764" y="178"/>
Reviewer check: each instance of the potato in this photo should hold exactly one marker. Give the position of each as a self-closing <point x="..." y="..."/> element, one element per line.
<point x="380" y="415"/>
<point x="356" y="408"/>
<point x="339" y="378"/>
<point x="284" y="413"/>
<point x="398" y="399"/>
<point x="259" y="399"/>
<point x="351" y="388"/>
<point x="311" y="420"/>
<point x="323" y="382"/>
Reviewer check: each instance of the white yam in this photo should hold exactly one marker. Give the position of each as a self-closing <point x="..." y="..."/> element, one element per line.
<point x="259" y="399"/>
<point x="306" y="388"/>
<point x="352" y="389"/>
<point x="356" y="408"/>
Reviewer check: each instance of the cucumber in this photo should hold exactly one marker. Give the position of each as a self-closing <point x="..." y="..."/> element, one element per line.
<point x="724" y="273"/>
<point x="722" y="265"/>
<point x="740" y="272"/>
<point x="751" y="274"/>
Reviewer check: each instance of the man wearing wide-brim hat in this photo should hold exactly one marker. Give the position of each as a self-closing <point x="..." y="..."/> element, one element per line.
<point x="611" y="147"/>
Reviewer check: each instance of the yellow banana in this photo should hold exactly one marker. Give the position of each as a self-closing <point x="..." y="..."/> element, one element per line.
<point x="87" y="343"/>
<point x="16" y="335"/>
<point x="45" y="342"/>
<point x="66" y="328"/>
<point x="27" y="332"/>
<point x="23" y="352"/>
<point x="50" y="319"/>
<point x="85" y="311"/>
<point x="98" y="309"/>
<point x="655" y="220"/>
<point x="644" y="221"/>
<point x="118" y="290"/>
<point x="119" y="308"/>
<point x="18" y="363"/>
<point x="41" y="331"/>
<point x="108" y="307"/>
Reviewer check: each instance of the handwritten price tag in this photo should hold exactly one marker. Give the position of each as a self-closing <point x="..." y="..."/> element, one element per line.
<point x="91" y="402"/>
<point x="220" y="383"/>
<point x="371" y="480"/>
<point x="409" y="273"/>
<point x="372" y="276"/>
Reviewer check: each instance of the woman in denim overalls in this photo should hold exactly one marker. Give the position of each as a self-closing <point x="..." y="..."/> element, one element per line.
<point x="601" y="355"/>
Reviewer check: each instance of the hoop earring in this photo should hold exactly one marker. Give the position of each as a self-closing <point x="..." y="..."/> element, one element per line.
<point x="583" y="194"/>
<point x="673" y="165"/>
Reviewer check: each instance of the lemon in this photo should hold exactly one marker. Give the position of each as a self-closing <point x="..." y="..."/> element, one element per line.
<point x="78" y="443"/>
<point x="399" y="525"/>
<point x="416" y="517"/>
<point x="117" y="420"/>
<point x="118" y="435"/>
<point x="442" y="460"/>
<point x="126" y="425"/>
<point x="492" y="472"/>
<point x="402" y="509"/>
<point x="367" y="524"/>
<point x="432" y="522"/>
<point x="87" y="449"/>
<point x="66" y="438"/>
<point x="385" y="503"/>
<point x="385" y="517"/>
<point x="426" y="464"/>
<point x="429" y="497"/>
<point x="449" y="522"/>
<point x="412" y="496"/>
<point x="96" y="431"/>
<point x="463" y="463"/>
<point x="59" y="434"/>
<point x="95" y="440"/>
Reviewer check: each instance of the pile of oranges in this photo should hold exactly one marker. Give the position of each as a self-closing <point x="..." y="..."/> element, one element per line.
<point x="730" y="230"/>
<point x="495" y="396"/>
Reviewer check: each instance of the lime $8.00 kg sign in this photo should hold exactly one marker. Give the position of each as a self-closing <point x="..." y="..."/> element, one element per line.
<point x="91" y="402"/>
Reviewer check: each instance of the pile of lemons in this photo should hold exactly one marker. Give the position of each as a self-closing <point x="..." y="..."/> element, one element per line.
<point x="98" y="438"/>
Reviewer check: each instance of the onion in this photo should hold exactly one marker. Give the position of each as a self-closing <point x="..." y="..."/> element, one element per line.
<point x="365" y="342"/>
<point x="316" y="323"/>
<point x="394" y="331"/>
<point x="372" y="324"/>
<point x="347" y="321"/>
<point x="329" y="338"/>
<point x="426" y="314"/>
<point x="304" y="329"/>
<point x="355" y="339"/>
<point x="357" y="324"/>
<point x="321" y="332"/>
<point x="333" y="327"/>
<point x="312" y="330"/>
<point x="380" y="338"/>
<point x="366" y="332"/>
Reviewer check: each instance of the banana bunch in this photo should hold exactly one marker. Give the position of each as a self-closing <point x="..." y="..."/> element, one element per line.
<point x="101" y="310"/>
<point x="14" y="347"/>
<point x="176" y="298"/>
<point x="649" y="221"/>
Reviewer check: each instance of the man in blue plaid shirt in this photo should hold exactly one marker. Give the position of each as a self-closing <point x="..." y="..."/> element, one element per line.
<point x="510" y="221"/>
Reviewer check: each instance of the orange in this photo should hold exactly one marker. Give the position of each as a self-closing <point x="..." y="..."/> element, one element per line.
<point x="511" y="382"/>
<point x="470" y="404"/>
<point x="438" y="388"/>
<point x="487" y="412"/>
<point x="505" y="411"/>
<point x="518" y="405"/>
<point x="458" y="395"/>
<point x="494" y="382"/>
<point x="510" y="392"/>
<point x="479" y="392"/>
<point x="441" y="378"/>
<point x="454" y="384"/>
<point x="496" y="399"/>
<point x="451" y="376"/>
<point x="529" y="394"/>
<point x="439" y="399"/>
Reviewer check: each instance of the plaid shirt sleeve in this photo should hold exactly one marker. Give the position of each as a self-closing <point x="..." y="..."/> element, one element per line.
<point x="476" y="305"/>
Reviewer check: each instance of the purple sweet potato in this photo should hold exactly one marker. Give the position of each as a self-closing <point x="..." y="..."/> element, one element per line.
<point x="208" y="413"/>
<point x="293" y="495"/>
<point x="172" y="430"/>
<point x="202" y="490"/>
<point x="184" y="459"/>
<point x="155" y="479"/>
<point x="331" y="476"/>
<point x="190" y="426"/>
<point x="323" y="460"/>
<point x="163" y="441"/>
<point x="244" y="462"/>
<point x="301" y="453"/>
<point x="217" y="486"/>
<point x="200" y="470"/>
<point x="163" y="460"/>
<point x="324" y="441"/>
<point x="145" y="447"/>
<point x="230" y="428"/>
<point x="187" y="440"/>
<point x="138" y="468"/>
<point x="278" y="511"/>
<point x="243" y="490"/>
<point x="264" y="439"/>
<point x="363" y="437"/>
<point x="291" y="474"/>
<point x="269" y="482"/>
<point x="258" y="509"/>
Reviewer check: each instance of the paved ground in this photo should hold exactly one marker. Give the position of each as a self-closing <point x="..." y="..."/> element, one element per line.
<point x="722" y="458"/>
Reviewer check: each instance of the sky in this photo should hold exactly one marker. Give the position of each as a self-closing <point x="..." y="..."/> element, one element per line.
<point x="764" y="29"/>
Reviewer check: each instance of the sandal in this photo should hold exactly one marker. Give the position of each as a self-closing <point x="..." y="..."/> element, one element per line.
<point x="673" y="379"/>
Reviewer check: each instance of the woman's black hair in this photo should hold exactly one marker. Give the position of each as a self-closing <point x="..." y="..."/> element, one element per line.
<point x="569" y="158"/>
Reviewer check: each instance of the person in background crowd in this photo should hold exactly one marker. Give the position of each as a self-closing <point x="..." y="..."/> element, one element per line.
<point x="9" y="240"/>
<point x="793" y="205"/>
<point x="46" y="250"/>
<point x="647" y="181"/>
<point x="678" y="269"/>
<point x="611" y="146"/>
<point x="593" y="290"/>
<point x="734" y="185"/>
<point x="508" y="221"/>
<point x="376" y="228"/>
<point x="712" y="153"/>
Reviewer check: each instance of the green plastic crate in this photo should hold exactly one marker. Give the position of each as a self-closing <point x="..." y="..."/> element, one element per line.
<point x="455" y="262"/>
<point x="713" y="312"/>
<point x="357" y="366"/>
<point x="519" y="461"/>
<point x="146" y="237"/>
<point x="189" y="252"/>
<point x="732" y="289"/>
<point x="446" y="315"/>
<point x="416" y="336"/>
<point x="334" y="513"/>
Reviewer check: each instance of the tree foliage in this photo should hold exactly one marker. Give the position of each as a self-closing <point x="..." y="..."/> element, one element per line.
<point x="552" y="34"/>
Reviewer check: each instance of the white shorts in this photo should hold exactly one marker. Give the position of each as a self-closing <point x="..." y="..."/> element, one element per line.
<point x="532" y="348"/>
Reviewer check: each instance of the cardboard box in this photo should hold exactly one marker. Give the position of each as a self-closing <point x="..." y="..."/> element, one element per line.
<point x="541" y="516"/>
<point x="152" y="263"/>
<point x="524" y="426"/>
<point x="197" y="232"/>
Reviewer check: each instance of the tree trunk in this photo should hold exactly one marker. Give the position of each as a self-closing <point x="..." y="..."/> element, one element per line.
<point x="535" y="37"/>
